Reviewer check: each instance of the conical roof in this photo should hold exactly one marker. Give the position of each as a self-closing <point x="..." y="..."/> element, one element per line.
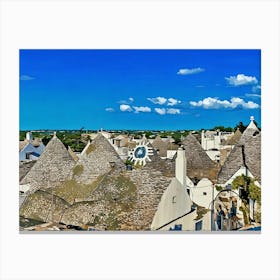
<point x="249" y="132"/>
<point x="247" y="152"/>
<point x="99" y="158"/>
<point x="199" y="164"/>
<point x="53" y="166"/>
<point x="233" y="140"/>
<point x="160" y="146"/>
<point x="72" y="154"/>
<point x="124" y="201"/>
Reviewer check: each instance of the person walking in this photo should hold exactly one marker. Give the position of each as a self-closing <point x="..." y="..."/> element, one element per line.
<point x="220" y="215"/>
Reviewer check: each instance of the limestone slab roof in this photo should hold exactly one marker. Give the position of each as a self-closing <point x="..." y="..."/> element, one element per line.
<point x="72" y="154"/>
<point x="233" y="140"/>
<point x="247" y="152"/>
<point x="199" y="164"/>
<point x="24" y="168"/>
<point x="22" y="144"/>
<point x="53" y="166"/>
<point x="96" y="160"/>
<point x="122" y="201"/>
<point x="160" y="146"/>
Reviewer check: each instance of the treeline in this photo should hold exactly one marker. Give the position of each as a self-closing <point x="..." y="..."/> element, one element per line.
<point x="77" y="141"/>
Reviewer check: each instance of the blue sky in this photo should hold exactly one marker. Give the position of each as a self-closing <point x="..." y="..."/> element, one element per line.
<point x="138" y="89"/>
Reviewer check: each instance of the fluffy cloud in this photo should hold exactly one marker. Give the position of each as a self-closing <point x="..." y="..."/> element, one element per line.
<point x="173" y="101"/>
<point x="173" y="111"/>
<point x="241" y="80"/>
<point x="131" y="99"/>
<point x="186" y="71"/>
<point x="109" y="110"/>
<point x="162" y="100"/>
<point x="215" y="103"/>
<point x="158" y="100"/>
<point x="26" y="78"/>
<point x="142" y="109"/>
<point x="160" y="111"/>
<point x="125" y="108"/>
<point x="256" y="89"/>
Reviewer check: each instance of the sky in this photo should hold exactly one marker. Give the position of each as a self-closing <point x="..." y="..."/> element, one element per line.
<point x="139" y="89"/>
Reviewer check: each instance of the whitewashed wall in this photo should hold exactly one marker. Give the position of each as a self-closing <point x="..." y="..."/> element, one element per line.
<point x="29" y="148"/>
<point x="174" y="203"/>
<point x="203" y="193"/>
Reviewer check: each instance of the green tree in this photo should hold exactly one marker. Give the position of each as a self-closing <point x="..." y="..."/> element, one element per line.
<point x="240" y="126"/>
<point x="222" y="128"/>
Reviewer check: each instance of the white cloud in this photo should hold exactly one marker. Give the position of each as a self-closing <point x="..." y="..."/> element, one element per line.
<point x="109" y="110"/>
<point x="162" y="100"/>
<point x="186" y="71"/>
<point x="129" y="101"/>
<point x="142" y="109"/>
<point x="215" y="103"/>
<point x="160" y="111"/>
<point x="241" y="80"/>
<point x="251" y="105"/>
<point x="253" y="95"/>
<point x="173" y="101"/>
<point x="158" y="100"/>
<point x="125" y="108"/>
<point x="173" y="111"/>
<point x="26" y="78"/>
<point x="256" y="89"/>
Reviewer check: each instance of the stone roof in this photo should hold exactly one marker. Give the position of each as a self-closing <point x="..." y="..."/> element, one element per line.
<point x="199" y="164"/>
<point x="24" y="168"/>
<point x="42" y="206"/>
<point x="123" y="201"/>
<point x="53" y="166"/>
<point x="22" y="144"/>
<point x="233" y="140"/>
<point x="247" y="152"/>
<point x="72" y="154"/>
<point x="160" y="146"/>
<point x="120" y="200"/>
<point x="36" y="143"/>
<point x="96" y="160"/>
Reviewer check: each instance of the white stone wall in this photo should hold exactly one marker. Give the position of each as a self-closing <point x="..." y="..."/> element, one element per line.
<point x="180" y="166"/>
<point x="189" y="221"/>
<point x="24" y="188"/>
<point x="28" y="149"/>
<point x="174" y="203"/>
<point x="214" y="155"/>
<point x="241" y="171"/>
<point x="171" y="153"/>
<point x="203" y="193"/>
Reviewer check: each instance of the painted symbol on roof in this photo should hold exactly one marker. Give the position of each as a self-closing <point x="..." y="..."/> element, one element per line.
<point x="141" y="153"/>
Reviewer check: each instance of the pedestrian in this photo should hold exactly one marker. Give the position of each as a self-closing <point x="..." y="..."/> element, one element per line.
<point x="220" y="214"/>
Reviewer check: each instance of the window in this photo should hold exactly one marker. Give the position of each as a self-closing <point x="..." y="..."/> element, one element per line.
<point x="198" y="226"/>
<point x="176" y="227"/>
<point x="174" y="199"/>
<point x="204" y="193"/>
<point x="27" y="155"/>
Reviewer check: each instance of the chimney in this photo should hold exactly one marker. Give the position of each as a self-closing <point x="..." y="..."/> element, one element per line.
<point x="181" y="166"/>
<point x="29" y="136"/>
<point x="203" y="139"/>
